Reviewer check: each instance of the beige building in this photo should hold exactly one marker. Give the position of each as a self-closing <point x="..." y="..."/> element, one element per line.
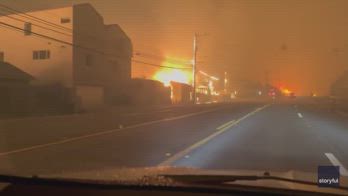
<point x="70" y="46"/>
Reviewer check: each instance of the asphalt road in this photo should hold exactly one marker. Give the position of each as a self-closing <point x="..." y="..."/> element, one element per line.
<point x="272" y="136"/>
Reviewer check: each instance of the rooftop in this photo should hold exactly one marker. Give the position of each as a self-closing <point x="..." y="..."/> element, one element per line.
<point x="9" y="71"/>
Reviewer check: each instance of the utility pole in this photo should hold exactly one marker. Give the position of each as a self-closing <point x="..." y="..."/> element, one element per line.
<point x="194" y="68"/>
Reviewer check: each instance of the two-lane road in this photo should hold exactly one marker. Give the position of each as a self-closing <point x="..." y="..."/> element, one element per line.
<point x="280" y="137"/>
<point x="260" y="136"/>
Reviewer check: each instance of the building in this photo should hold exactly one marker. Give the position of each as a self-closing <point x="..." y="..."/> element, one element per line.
<point x="20" y="98"/>
<point x="148" y="92"/>
<point x="13" y="88"/>
<point x="181" y="93"/>
<point x="72" y="47"/>
<point x="10" y="75"/>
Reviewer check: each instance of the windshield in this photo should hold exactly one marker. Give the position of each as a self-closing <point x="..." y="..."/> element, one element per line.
<point x="211" y="85"/>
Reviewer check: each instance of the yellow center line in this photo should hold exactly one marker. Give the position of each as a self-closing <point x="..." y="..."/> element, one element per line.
<point x="228" y="125"/>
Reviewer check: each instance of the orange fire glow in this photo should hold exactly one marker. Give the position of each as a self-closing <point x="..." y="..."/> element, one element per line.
<point x="166" y="75"/>
<point x="285" y="91"/>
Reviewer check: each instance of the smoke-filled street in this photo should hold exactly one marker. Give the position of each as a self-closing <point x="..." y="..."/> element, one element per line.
<point x="180" y="96"/>
<point x="270" y="136"/>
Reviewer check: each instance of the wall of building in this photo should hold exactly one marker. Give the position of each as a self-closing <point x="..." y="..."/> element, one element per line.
<point x="19" y="100"/>
<point x="121" y="46"/>
<point x="181" y="93"/>
<point x="89" y="61"/>
<point x="148" y="92"/>
<point x="106" y="47"/>
<point x="98" y="58"/>
<point x="90" y="97"/>
<point x="105" y="55"/>
<point x="18" y="48"/>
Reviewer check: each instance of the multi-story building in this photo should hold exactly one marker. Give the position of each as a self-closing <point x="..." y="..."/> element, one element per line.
<point x="70" y="46"/>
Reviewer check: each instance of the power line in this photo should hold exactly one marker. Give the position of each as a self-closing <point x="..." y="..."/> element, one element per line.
<point x="54" y="39"/>
<point x="10" y="28"/>
<point x="55" y="25"/>
<point x="17" y="19"/>
<point x="30" y="18"/>
<point x="172" y="60"/>
<point x="42" y="21"/>
<point x="35" y="18"/>
<point x="78" y="46"/>
<point x="163" y="66"/>
<point x="137" y="53"/>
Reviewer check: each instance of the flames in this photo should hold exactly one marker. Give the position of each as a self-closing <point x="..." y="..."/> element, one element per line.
<point x="285" y="91"/>
<point x="166" y="75"/>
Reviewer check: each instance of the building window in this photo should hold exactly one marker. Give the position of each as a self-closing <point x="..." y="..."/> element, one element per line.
<point x="35" y="55"/>
<point x="41" y="54"/>
<point x="89" y="60"/>
<point x="64" y="20"/>
<point x="27" y="28"/>
<point x="2" y="57"/>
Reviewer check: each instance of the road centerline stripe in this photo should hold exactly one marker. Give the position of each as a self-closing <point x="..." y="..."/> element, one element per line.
<point x="186" y="151"/>
<point x="300" y="115"/>
<point x="336" y="162"/>
<point x="226" y="124"/>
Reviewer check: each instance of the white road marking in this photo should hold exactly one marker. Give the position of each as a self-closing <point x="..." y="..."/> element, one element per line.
<point x="187" y="156"/>
<point x="300" y="115"/>
<point x="186" y="151"/>
<point x="34" y="147"/>
<point x="168" y="154"/>
<point x="336" y="162"/>
<point x="226" y="124"/>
